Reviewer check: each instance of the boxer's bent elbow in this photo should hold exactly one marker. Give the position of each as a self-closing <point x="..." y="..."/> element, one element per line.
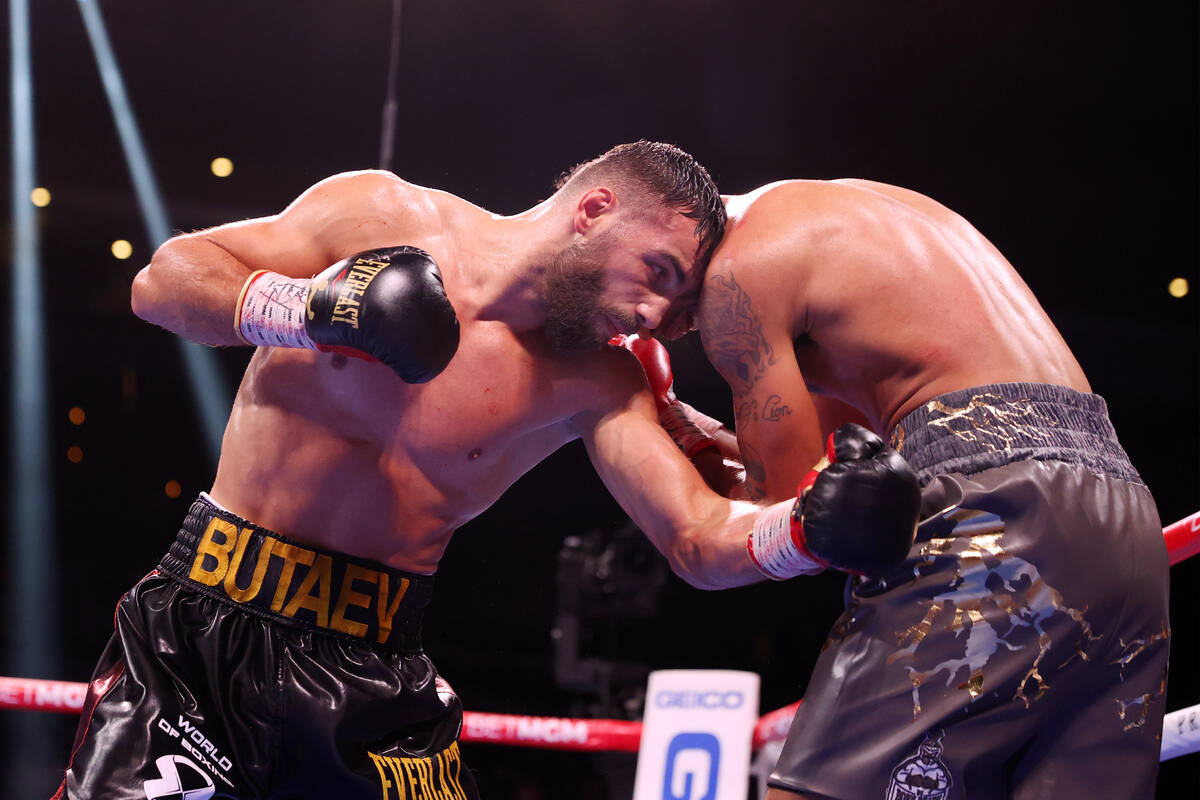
<point x="150" y="296"/>
<point x="142" y="295"/>
<point x="690" y="558"/>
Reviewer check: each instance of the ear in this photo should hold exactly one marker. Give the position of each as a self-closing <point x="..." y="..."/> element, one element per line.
<point x="592" y="205"/>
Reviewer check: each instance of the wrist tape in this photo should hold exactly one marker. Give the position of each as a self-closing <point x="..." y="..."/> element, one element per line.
<point x="686" y="433"/>
<point x="271" y="310"/>
<point x="772" y="548"/>
<point x="702" y="420"/>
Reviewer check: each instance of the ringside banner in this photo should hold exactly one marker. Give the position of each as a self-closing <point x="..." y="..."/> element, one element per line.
<point x="696" y="735"/>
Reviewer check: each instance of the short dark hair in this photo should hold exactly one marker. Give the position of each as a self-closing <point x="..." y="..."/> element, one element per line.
<point x="670" y="175"/>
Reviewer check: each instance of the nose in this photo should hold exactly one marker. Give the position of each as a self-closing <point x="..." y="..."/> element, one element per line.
<point x="651" y="311"/>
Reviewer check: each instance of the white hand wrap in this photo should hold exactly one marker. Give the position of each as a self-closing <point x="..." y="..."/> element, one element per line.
<point x="271" y="309"/>
<point x="702" y="420"/>
<point x="772" y="548"/>
<point x="686" y="433"/>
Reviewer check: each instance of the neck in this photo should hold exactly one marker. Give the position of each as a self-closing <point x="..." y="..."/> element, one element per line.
<point x="503" y="260"/>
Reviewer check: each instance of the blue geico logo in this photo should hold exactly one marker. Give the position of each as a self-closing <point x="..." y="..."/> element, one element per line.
<point x="701" y="700"/>
<point x="693" y="760"/>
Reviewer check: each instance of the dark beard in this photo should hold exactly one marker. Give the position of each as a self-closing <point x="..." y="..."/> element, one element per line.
<point x="572" y="288"/>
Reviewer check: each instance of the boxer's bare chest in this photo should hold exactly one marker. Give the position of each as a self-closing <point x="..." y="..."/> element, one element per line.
<point x="502" y="405"/>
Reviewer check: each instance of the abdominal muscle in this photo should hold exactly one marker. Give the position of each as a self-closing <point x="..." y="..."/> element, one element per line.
<point x="343" y="459"/>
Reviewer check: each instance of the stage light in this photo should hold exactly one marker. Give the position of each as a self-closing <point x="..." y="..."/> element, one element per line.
<point x="31" y="639"/>
<point x="76" y="415"/>
<point x="172" y="489"/>
<point x="1178" y="287"/>
<point x="221" y="167"/>
<point x="207" y="383"/>
<point x="121" y="249"/>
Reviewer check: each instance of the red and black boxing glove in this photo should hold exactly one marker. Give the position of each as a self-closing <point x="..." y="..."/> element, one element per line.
<point x="691" y="430"/>
<point x="856" y="511"/>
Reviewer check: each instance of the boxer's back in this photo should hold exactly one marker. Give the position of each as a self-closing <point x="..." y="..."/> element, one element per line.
<point x="890" y="297"/>
<point x="342" y="454"/>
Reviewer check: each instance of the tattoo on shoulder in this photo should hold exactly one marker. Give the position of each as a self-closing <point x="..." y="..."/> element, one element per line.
<point x="732" y="332"/>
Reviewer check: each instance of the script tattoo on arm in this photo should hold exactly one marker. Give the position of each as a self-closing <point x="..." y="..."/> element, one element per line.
<point x="733" y="336"/>
<point x="775" y="409"/>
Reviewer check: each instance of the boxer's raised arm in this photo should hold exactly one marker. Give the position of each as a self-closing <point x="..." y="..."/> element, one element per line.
<point x="702" y="535"/>
<point x="192" y="283"/>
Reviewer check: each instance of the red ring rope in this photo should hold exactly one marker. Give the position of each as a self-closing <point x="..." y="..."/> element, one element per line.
<point x="552" y="733"/>
<point x="1183" y="538"/>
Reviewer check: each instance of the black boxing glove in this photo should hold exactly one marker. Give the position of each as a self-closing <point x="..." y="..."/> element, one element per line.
<point x="387" y="305"/>
<point x="856" y="511"/>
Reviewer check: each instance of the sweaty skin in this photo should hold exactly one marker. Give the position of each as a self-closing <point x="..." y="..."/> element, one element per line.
<point x="851" y="300"/>
<point x="342" y="454"/>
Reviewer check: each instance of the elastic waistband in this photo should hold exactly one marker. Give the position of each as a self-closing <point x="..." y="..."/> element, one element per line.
<point x="971" y="430"/>
<point x="261" y="572"/>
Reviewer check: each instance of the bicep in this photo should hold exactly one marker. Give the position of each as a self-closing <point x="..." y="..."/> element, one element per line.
<point x="777" y="424"/>
<point x="778" y="431"/>
<point x="333" y="219"/>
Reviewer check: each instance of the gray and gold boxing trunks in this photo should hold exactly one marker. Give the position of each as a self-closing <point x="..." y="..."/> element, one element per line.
<point x="1021" y="650"/>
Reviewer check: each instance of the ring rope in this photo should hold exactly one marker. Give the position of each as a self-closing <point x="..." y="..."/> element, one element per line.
<point x="1181" y="729"/>
<point x="1183" y="538"/>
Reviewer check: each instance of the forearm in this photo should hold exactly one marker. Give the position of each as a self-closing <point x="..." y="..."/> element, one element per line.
<point x="712" y="554"/>
<point x="727" y="443"/>
<point x="191" y="287"/>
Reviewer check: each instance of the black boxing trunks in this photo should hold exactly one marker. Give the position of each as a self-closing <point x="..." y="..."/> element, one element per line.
<point x="1021" y="650"/>
<point x="248" y="666"/>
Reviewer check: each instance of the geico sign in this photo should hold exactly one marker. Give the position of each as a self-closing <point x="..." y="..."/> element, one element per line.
<point x="702" y="700"/>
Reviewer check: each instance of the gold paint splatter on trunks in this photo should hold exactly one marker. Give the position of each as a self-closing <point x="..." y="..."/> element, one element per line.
<point x="1143" y="702"/>
<point x="991" y="421"/>
<point x="974" y="684"/>
<point x="1034" y="675"/>
<point x="1139" y="646"/>
<point x="987" y="601"/>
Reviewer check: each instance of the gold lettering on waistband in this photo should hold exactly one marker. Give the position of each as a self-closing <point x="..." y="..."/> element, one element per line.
<point x="321" y="576"/>
<point x="383" y="610"/>
<point x="219" y="551"/>
<point x="260" y="568"/>
<point x="348" y="597"/>
<point x="220" y="561"/>
<point x="291" y="556"/>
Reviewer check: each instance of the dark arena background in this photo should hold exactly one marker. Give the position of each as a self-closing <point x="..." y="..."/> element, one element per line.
<point x="1066" y="132"/>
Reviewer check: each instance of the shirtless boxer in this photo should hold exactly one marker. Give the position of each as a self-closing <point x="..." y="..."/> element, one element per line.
<point x="393" y="396"/>
<point x="1021" y="649"/>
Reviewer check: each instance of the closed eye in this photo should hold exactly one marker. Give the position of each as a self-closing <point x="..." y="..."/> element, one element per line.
<point x="666" y="269"/>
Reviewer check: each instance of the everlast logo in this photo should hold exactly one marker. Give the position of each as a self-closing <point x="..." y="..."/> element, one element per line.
<point x="362" y="272"/>
<point x="432" y="778"/>
<point x="333" y="593"/>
